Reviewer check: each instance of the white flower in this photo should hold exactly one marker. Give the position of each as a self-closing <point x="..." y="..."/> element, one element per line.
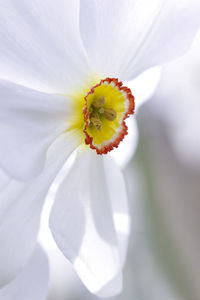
<point x="51" y="54"/>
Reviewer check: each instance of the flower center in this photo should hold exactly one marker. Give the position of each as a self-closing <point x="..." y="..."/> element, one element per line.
<point x="107" y="105"/>
<point x="98" y="111"/>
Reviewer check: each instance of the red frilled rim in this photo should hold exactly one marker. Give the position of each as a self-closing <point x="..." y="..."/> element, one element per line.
<point x="119" y="136"/>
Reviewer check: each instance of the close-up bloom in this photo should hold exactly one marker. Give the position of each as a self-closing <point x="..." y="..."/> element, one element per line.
<point x="62" y="95"/>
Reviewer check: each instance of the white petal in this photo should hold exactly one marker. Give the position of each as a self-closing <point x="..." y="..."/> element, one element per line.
<point x="32" y="282"/>
<point x="177" y="102"/>
<point x="119" y="203"/>
<point x="85" y="222"/>
<point x="20" y="210"/>
<point x="144" y="86"/>
<point x="126" y="149"/>
<point x="41" y="45"/>
<point x="29" y="122"/>
<point x="123" y="38"/>
<point x="114" y="287"/>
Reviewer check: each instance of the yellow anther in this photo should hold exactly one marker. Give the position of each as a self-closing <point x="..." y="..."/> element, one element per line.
<point x="101" y="110"/>
<point x="99" y="102"/>
<point x="96" y="122"/>
<point x="109" y="114"/>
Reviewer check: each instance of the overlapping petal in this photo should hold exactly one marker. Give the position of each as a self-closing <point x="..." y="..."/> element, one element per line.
<point x="123" y="38"/>
<point x="126" y="149"/>
<point x="20" y="210"/>
<point x="120" y="209"/>
<point x="177" y="102"/>
<point x="86" y="222"/>
<point x="144" y="86"/>
<point x="29" y="122"/>
<point x="32" y="282"/>
<point x="40" y="44"/>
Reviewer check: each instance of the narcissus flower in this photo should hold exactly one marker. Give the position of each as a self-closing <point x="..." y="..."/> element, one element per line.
<point x="62" y="65"/>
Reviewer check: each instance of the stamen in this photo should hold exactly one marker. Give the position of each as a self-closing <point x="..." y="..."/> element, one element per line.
<point x="101" y="110"/>
<point x="99" y="102"/>
<point x="96" y="122"/>
<point x="109" y="114"/>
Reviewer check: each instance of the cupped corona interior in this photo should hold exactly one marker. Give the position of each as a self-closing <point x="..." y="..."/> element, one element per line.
<point x="107" y="105"/>
<point x="100" y="111"/>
